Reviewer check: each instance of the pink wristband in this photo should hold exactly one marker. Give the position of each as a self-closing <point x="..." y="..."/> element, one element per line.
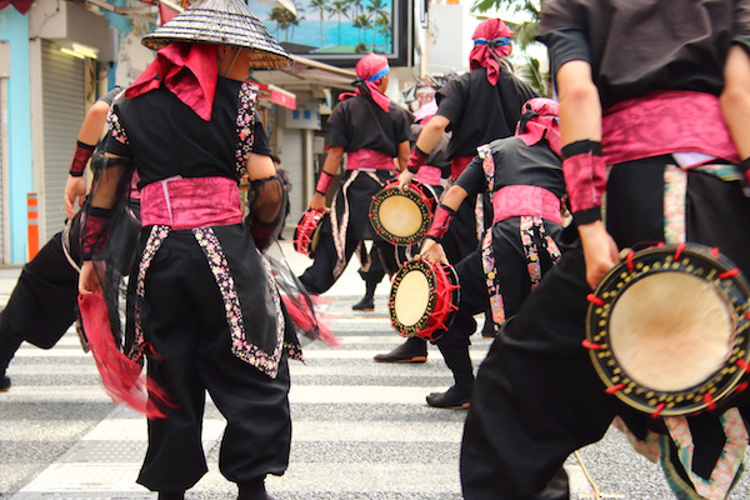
<point x="324" y="181"/>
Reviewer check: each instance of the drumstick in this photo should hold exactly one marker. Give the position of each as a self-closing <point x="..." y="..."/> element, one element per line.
<point x="596" y="495"/>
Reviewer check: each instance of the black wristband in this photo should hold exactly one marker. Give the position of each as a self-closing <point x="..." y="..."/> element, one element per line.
<point x="83" y="145"/>
<point x="744" y="165"/>
<point x="587" y="216"/>
<point x="420" y="152"/>
<point x="73" y="173"/>
<point x="582" y="147"/>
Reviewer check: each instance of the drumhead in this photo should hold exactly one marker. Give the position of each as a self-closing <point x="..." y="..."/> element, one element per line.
<point x="668" y="329"/>
<point x="400" y="216"/>
<point x="671" y="331"/>
<point x="412" y="298"/>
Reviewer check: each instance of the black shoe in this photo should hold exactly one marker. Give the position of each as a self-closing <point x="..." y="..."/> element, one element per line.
<point x="366" y="304"/>
<point x="4" y="383"/>
<point x="488" y="331"/>
<point x="452" y="399"/>
<point x="414" y="350"/>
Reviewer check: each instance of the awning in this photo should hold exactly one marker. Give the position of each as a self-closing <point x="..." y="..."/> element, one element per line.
<point x="308" y="74"/>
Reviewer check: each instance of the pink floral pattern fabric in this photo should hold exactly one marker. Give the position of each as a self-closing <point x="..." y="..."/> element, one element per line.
<point x="155" y="239"/>
<point x="267" y="362"/>
<point x="245" y="125"/>
<point x="717" y="487"/>
<point x="675" y="189"/>
<point x="529" y="225"/>
<point x="116" y="129"/>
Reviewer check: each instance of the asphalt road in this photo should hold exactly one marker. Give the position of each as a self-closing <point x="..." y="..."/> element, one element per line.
<point x="362" y="430"/>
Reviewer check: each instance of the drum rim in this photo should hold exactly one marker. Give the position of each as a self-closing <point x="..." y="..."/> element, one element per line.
<point x="417" y="193"/>
<point x="308" y="217"/>
<point x="722" y="382"/>
<point x="414" y="265"/>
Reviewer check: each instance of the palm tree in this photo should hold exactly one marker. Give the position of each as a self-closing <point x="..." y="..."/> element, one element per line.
<point x="385" y="28"/>
<point x="376" y="9"/>
<point x="524" y="35"/>
<point x="339" y="8"/>
<point x="282" y="18"/>
<point x="321" y="5"/>
<point x="361" y="22"/>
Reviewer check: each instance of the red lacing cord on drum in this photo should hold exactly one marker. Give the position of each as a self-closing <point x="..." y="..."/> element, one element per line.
<point x="371" y="214"/>
<point x="629" y="261"/>
<point x="678" y="250"/>
<point x="709" y="400"/>
<point x="729" y="274"/>
<point x="590" y="345"/>
<point x="657" y="411"/>
<point x="615" y="388"/>
<point x="597" y="301"/>
<point x="715" y="252"/>
<point x="741" y="387"/>
<point x="743" y="365"/>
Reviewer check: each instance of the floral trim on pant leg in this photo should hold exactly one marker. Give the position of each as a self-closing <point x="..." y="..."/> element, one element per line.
<point x="155" y="239"/>
<point x="268" y="363"/>
<point x="492" y="281"/>
<point x="729" y="464"/>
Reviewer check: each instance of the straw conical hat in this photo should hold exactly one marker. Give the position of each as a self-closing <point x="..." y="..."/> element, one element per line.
<point x="223" y="22"/>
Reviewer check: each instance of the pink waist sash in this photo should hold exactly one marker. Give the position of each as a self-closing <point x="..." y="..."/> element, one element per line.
<point x="188" y="203"/>
<point x="369" y="158"/>
<point x="666" y="122"/>
<point x="429" y="175"/>
<point x="516" y="201"/>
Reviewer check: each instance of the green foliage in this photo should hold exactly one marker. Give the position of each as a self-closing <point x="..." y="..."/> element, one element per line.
<point x="524" y="33"/>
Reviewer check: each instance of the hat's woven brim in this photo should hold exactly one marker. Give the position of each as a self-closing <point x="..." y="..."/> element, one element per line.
<point x="223" y="22"/>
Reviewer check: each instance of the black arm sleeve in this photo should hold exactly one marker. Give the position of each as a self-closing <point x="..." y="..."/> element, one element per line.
<point x="565" y="45"/>
<point x="472" y="179"/>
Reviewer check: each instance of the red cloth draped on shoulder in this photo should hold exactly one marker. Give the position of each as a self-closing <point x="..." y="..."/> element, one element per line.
<point x="484" y="56"/>
<point x="370" y="69"/>
<point x="188" y="70"/>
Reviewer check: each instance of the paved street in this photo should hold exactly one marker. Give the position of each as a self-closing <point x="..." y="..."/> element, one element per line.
<point x="361" y="430"/>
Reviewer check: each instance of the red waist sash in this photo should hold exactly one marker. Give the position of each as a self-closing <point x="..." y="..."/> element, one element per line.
<point x="188" y="203"/>
<point x="666" y="122"/>
<point x="516" y="201"/>
<point x="369" y="159"/>
<point x="459" y="164"/>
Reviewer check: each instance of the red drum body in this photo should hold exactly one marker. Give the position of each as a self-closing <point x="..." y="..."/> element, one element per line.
<point x="403" y="218"/>
<point x="307" y="232"/>
<point x="667" y="329"/>
<point x="424" y="297"/>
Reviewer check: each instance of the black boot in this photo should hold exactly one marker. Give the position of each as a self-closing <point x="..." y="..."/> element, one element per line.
<point x="488" y="330"/>
<point x="452" y="399"/>
<point x="254" y="490"/>
<point x="414" y="350"/>
<point x="366" y="304"/>
<point x="372" y="278"/>
<point x="458" y="395"/>
<point x="179" y="495"/>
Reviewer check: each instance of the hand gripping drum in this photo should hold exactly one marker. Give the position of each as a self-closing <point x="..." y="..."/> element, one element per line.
<point x="307" y="232"/>
<point x="667" y="329"/>
<point x="403" y="218"/>
<point x="424" y="297"/>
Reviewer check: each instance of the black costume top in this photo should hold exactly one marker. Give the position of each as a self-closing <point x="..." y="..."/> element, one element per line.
<point x="210" y="145"/>
<point x="480" y="112"/>
<point x="358" y="123"/>
<point x="437" y="157"/>
<point x="516" y="164"/>
<point x="596" y="31"/>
